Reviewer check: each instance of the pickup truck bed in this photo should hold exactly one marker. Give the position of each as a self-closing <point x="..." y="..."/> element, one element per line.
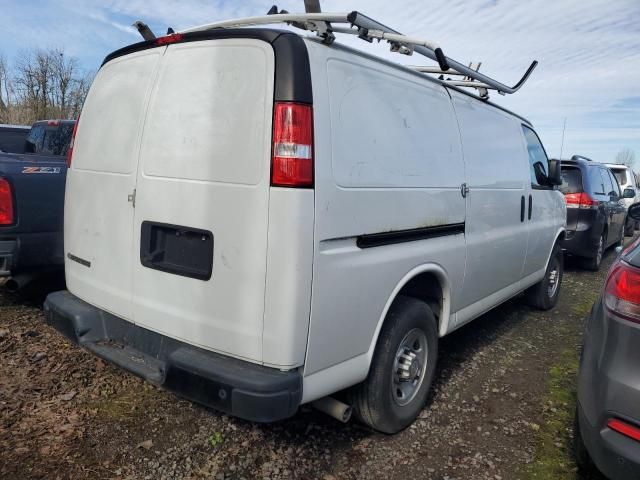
<point x="34" y="241"/>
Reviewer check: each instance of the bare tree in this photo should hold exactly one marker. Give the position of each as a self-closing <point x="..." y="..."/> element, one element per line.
<point x="5" y="90"/>
<point x="626" y="156"/>
<point x="45" y="84"/>
<point x="64" y="70"/>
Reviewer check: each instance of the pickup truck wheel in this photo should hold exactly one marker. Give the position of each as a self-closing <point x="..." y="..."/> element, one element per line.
<point x="402" y="368"/>
<point x="544" y="294"/>
<point x="594" y="262"/>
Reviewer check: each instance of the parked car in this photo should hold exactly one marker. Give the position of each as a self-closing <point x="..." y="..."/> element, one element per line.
<point x="626" y="178"/>
<point x="32" y="205"/>
<point x="257" y="220"/>
<point x="608" y="410"/>
<point x="12" y="138"/>
<point x="595" y="211"/>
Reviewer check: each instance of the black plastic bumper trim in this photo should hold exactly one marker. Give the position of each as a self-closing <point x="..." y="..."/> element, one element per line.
<point x="234" y="386"/>
<point x="400" y="236"/>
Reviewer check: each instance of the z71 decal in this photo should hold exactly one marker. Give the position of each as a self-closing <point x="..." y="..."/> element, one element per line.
<point x="41" y="170"/>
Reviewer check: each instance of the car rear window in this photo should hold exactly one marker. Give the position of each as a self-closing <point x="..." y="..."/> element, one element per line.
<point x="571" y="180"/>
<point x="621" y="176"/>
<point x="56" y="139"/>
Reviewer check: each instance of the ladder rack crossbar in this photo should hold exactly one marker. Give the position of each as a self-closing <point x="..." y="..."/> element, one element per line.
<point x="369" y="30"/>
<point x="298" y="18"/>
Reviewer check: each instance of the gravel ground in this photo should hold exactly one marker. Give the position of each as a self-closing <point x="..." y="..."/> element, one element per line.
<point x="501" y="408"/>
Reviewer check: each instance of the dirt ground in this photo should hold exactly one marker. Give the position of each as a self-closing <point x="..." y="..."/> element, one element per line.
<point x="501" y="408"/>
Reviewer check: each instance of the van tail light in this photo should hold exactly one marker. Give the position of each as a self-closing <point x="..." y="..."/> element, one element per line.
<point x="292" y="161"/>
<point x="71" y="142"/>
<point x="624" y="428"/>
<point x="167" y="39"/>
<point x="6" y="202"/>
<point x="622" y="291"/>
<point x="579" y="200"/>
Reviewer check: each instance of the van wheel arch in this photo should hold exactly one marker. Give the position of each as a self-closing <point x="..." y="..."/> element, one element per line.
<point x="428" y="283"/>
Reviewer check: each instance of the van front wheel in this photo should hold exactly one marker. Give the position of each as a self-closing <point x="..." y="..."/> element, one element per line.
<point x="402" y="368"/>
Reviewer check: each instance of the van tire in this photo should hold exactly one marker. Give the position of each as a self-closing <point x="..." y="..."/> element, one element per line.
<point x="593" y="263"/>
<point x="544" y="294"/>
<point x="376" y="401"/>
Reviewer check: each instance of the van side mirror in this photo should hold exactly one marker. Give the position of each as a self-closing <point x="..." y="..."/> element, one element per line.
<point x="629" y="193"/>
<point x="541" y="175"/>
<point x="555" y="173"/>
<point x="634" y="211"/>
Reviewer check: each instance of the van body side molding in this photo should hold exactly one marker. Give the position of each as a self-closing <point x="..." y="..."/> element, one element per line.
<point x="411" y="235"/>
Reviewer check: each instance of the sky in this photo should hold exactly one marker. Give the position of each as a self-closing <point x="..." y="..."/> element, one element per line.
<point x="589" y="51"/>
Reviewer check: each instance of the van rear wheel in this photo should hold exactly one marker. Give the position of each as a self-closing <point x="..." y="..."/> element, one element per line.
<point x="544" y="294"/>
<point x="594" y="262"/>
<point x="402" y="368"/>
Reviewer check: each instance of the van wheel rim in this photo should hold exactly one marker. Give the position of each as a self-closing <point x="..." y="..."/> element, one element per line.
<point x="553" y="279"/>
<point x="409" y="367"/>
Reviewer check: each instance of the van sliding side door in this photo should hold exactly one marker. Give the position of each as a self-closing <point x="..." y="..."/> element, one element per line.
<point x="496" y="232"/>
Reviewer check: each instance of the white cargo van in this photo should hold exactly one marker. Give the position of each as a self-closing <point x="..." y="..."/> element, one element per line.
<point x="256" y="220"/>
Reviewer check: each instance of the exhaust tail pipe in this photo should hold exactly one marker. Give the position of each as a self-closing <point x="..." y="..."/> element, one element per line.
<point x="14" y="284"/>
<point x="334" y="408"/>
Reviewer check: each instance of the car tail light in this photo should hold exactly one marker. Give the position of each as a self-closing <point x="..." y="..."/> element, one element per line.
<point x="6" y="203"/>
<point x="167" y="39"/>
<point x="71" y="142"/>
<point x="292" y="161"/>
<point x="624" y="428"/>
<point x="579" y="200"/>
<point x="622" y="291"/>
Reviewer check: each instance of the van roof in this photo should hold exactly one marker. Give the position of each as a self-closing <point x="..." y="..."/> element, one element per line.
<point x="416" y="73"/>
<point x="270" y="35"/>
<point x="617" y="166"/>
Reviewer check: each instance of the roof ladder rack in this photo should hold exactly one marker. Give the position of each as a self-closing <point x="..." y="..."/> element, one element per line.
<point x="466" y="81"/>
<point x="326" y="25"/>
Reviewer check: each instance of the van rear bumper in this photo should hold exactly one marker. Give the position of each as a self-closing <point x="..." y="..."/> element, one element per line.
<point x="237" y="387"/>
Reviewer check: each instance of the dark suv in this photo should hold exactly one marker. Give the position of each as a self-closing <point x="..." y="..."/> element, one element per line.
<point x="595" y="211"/>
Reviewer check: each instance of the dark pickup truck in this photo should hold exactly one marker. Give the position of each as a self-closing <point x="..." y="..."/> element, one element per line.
<point x="32" y="204"/>
<point x="12" y="138"/>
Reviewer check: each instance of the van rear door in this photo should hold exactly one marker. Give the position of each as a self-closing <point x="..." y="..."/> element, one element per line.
<point x="201" y="215"/>
<point x="98" y="213"/>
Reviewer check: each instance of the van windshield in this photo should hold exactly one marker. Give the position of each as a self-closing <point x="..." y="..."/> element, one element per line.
<point x="571" y="180"/>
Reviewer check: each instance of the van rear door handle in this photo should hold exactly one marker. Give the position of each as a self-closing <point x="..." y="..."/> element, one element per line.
<point x="530" y="206"/>
<point x="522" y="208"/>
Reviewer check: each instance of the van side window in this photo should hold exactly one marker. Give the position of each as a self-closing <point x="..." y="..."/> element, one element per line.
<point x="595" y="181"/>
<point x="608" y="188"/>
<point x="536" y="155"/>
<point x="615" y="187"/>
